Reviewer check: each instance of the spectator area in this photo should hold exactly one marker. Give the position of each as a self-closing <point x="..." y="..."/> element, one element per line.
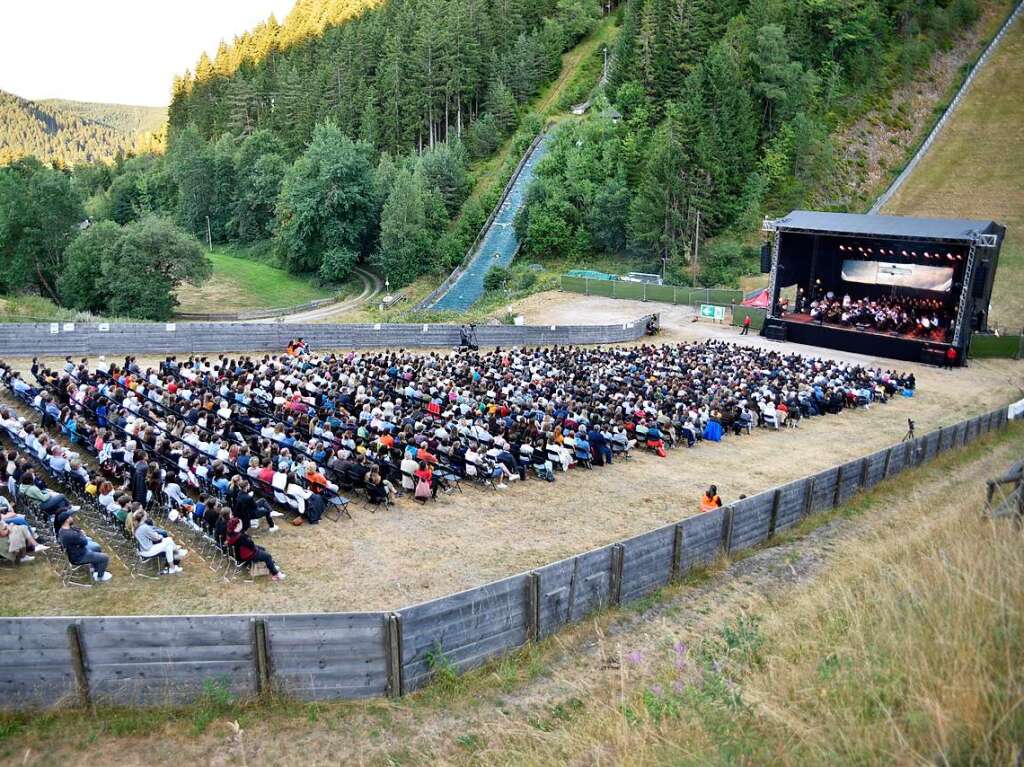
<point x="385" y="557"/>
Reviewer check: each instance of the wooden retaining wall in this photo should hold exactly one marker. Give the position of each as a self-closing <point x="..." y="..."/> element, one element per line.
<point x="150" y="660"/>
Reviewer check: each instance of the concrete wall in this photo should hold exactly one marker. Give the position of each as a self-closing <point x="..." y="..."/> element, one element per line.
<point x="27" y="339"/>
<point x="151" y="660"/>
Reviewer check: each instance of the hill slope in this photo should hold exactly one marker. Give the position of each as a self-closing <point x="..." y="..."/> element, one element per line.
<point x="975" y="169"/>
<point x="71" y="132"/>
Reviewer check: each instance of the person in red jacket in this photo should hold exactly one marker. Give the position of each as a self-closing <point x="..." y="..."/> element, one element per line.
<point x="247" y="550"/>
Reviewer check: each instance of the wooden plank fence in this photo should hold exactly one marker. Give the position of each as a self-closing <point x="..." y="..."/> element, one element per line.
<point x="150" y="660"/>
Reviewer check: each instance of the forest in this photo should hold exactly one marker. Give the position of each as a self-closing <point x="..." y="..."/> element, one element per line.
<point x="71" y="133"/>
<point x="727" y="110"/>
<point x="347" y="134"/>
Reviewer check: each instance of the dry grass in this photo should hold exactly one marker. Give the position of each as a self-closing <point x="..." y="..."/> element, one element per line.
<point x="976" y="169"/>
<point x="908" y="650"/>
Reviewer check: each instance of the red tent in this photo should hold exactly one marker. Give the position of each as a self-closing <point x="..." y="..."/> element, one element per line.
<point x="759" y="301"/>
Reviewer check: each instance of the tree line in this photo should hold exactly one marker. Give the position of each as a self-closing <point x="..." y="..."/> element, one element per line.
<point x="405" y="75"/>
<point x="727" y="107"/>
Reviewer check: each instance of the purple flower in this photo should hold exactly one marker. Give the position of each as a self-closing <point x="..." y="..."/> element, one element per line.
<point x="635" y="657"/>
<point x="656" y="690"/>
<point x="680" y="648"/>
<point x="679" y="687"/>
<point x="681" y="664"/>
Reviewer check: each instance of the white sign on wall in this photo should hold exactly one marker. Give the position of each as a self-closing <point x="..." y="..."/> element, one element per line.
<point x="69" y="327"/>
<point x="104" y="327"/>
<point x="54" y="328"/>
<point x="171" y="327"/>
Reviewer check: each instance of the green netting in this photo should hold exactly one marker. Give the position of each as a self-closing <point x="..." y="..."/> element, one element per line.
<point x="995" y="346"/>
<point x="756" y="316"/>
<point x="591" y="274"/>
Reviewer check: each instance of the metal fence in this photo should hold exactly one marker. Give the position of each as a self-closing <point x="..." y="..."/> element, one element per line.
<point x="152" y="660"/>
<point x="641" y="291"/>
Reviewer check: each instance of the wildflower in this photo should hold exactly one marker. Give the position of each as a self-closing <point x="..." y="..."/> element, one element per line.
<point x="635" y="657"/>
<point x="656" y="690"/>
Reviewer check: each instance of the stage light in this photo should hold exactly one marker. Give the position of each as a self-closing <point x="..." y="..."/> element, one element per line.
<point x="903" y="252"/>
<point x="926" y="254"/>
<point x="869" y="250"/>
<point x="842" y="247"/>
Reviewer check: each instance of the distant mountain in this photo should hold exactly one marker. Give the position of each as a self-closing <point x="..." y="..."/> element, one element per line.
<point x="74" y="132"/>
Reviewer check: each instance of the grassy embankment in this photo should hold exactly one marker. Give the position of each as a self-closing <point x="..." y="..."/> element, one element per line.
<point x="975" y="170"/>
<point x="240" y="282"/>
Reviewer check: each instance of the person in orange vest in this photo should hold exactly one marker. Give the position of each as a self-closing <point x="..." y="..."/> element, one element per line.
<point x="710" y="500"/>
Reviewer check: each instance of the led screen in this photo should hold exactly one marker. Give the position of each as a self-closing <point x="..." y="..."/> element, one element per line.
<point x="917" y="276"/>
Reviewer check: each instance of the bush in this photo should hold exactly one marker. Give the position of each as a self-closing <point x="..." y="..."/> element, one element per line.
<point x="526" y="280"/>
<point x="497" y="278"/>
<point x="483" y="137"/>
<point x="337" y="265"/>
<point x="724" y="261"/>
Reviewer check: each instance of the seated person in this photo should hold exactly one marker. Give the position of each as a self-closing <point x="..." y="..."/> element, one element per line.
<point x="247" y="551"/>
<point x="152" y="543"/>
<point x="50" y="503"/>
<point x="17" y="543"/>
<point x="80" y="549"/>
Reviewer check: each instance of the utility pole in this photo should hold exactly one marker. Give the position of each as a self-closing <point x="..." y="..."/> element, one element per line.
<point x="696" y="245"/>
<point x="209" y="235"/>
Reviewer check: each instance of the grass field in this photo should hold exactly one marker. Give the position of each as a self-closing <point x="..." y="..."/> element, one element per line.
<point x="242" y="283"/>
<point x="885" y="632"/>
<point x="975" y="169"/>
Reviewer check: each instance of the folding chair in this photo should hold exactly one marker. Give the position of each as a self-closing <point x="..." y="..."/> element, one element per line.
<point x="337" y="506"/>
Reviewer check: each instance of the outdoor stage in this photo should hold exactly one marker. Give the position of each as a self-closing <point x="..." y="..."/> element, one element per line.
<point x="906" y="288"/>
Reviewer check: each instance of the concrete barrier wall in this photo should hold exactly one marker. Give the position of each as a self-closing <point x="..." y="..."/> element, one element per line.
<point x="30" y="339"/>
<point x="151" y="660"/>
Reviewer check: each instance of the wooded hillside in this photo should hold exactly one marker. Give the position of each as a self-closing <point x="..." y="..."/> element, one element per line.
<point x="72" y="132"/>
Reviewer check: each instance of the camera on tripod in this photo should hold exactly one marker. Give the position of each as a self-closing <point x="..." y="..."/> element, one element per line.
<point x="910" y="430"/>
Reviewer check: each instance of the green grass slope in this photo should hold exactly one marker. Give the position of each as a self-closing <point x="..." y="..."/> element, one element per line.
<point x="975" y="169"/>
<point x="240" y="283"/>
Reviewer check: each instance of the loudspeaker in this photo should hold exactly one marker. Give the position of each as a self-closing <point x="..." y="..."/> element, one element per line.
<point x="775" y="331"/>
<point x="980" y="276"/>
<point x="978" y="320"/>
<point x="766" y="258"/>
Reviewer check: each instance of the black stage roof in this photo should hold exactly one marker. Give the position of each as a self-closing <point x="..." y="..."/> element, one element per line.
<point x="886" y="226"/>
